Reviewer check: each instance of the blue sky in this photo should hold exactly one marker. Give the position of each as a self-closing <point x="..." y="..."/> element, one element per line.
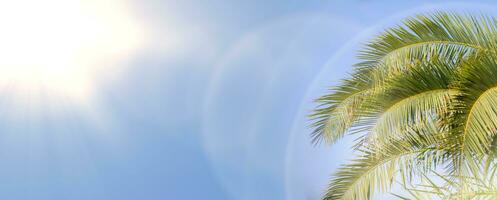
<point x="215" y="108"/>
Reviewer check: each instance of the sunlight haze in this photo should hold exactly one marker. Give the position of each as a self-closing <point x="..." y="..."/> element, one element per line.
<point x="58" y="45"/>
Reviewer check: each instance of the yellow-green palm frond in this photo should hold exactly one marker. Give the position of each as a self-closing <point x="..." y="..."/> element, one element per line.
<point x="477" y="116"/>
<point x="479" y="184"/>
<point x="378" y="166"/>
<point x="419" y="94"/>
<point x="423" y="39"/>
<point x="424" y="95"/>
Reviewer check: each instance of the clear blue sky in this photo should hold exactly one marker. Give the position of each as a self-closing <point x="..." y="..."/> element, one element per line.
<point x="221" y="115"/>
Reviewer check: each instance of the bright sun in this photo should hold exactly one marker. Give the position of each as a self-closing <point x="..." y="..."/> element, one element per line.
<point x="61" y="45"/>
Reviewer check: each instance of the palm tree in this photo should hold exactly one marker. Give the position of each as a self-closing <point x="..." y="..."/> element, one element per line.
<point x="423" y="100"/>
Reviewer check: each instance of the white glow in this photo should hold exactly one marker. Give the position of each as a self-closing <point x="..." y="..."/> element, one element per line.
<point x="60" y="45"/>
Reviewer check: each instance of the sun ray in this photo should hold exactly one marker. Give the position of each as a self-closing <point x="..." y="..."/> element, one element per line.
<point x="60" y="45"/>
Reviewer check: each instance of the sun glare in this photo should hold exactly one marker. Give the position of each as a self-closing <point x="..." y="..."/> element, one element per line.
<point x="60" y="45"/>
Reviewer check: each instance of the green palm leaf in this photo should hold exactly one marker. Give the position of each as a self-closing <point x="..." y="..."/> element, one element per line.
<point x="376" y="169"/>
<point x="424" y="95"/>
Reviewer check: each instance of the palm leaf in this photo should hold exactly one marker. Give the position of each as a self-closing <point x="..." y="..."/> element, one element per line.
<point x="423" y="95"/>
